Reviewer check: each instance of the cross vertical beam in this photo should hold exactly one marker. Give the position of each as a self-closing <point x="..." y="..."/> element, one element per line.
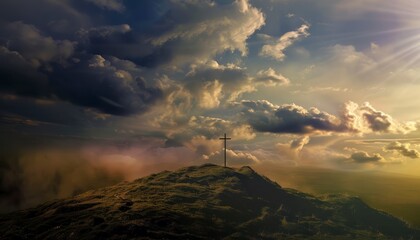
<point x="225" y="138"/>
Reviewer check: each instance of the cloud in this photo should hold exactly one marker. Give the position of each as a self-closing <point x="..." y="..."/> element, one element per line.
<point x="377" y="120"/>
<point x="121" y="41"/>
<point x="179" y="33"/>
<point x="264" y="116"/>
<point x="207" y="86"/>
<point x="299" y="143"/>
<point x="270" y="78"/>
<point x="292" y="149"/>
<point x="33" y="64"/>
<point x="170" y="113"/>
<point x="115" y="5"/>
<point x="364" y="157"/>
<point x="212" y="128"/>
<point x="233" y="158"/>
<point x="210" y="83"/>
<point x="201" y="133"/>
<point x="37" y="64"/>
<point x="33" y="46"/>
<point x="55" y="17"/>
<point x="366" y="118"/>
<point x="110" y="85"/>
<point x="20" y="76"/>
<point x="321" y="89"/>
<point x="210" y="95"/>
<point x="197" y="30"/>
<point x="199" y="144"/>
<point x="276" y="49"/>
<point x="348" y="57"/>
<point x="343" y="67"/>
<point x="403" y="149"/>
<point x="104" y="32"/>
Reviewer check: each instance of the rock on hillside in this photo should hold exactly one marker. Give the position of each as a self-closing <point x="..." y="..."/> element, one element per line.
<point x="203" y="202"/>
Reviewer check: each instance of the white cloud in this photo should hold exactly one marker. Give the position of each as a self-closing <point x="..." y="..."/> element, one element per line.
<point x="198" y="133"/>
<point x="212" y="127"/>
<point x="299" y="143"/>
<point x="234" y="157"/>
<point x="366" y="118"/>
<point x="197" y="30"/>
<point x="276" y="49"/>
<point x="349" y="58"/>
<point x="210" y="95"/>
<point x="210" y="83"/>
<point x="270" y="78"/>
<point x="292" y="149"/>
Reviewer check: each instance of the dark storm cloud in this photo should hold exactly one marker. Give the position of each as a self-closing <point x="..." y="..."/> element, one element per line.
<point x="46" y="53"/>
<point x="364" y="157"/>
<point x="377" y="120"/>
<point x="55" y="117"/>
<point x="37" y="65"/>
<point x="289" y="118"/>
<point x="112" y="86"/>
<point x="25" y="58"/>
<point x="403" y="149"/>
<point x="33" y="45"/>
<point x="107" y="85"/>
<point x="115" y="5"/>
<point x="122" y="41"/>
<point x="17" y="75"/>
<point x="264" y="116"/>
<point x="61" y="18"/>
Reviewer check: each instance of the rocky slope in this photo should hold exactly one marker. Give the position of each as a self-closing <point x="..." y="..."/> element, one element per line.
<point x="203" y="202"/>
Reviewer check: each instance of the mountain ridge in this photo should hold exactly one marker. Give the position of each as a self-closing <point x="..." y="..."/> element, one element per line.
<point x="203" y="202"/>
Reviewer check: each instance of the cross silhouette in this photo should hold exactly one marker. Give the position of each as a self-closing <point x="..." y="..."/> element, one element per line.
<point x="225" y="138"/>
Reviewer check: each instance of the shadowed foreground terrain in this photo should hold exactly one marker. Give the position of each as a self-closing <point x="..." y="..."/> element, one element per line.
<point x="204" y="202"/>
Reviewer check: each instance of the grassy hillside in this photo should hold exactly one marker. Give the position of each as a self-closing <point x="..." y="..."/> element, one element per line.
<point x="203" y="202"/>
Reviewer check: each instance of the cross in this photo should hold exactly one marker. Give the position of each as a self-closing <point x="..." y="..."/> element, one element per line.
<point x="225" y="138"/>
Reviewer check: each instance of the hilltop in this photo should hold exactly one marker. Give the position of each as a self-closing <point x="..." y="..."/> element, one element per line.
<point x="203" y="202"/>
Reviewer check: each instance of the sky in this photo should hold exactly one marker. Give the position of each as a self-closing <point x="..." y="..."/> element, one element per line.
<point x="97" y="91"/>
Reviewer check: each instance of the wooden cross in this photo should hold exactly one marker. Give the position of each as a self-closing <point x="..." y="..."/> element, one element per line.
<point x="225" y="138"/>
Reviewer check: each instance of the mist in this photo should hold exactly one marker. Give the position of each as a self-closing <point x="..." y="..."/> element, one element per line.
<point x="44" y="169"/>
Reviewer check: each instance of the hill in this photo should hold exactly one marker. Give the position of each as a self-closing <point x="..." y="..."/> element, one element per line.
<point x="203" y="202"/>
